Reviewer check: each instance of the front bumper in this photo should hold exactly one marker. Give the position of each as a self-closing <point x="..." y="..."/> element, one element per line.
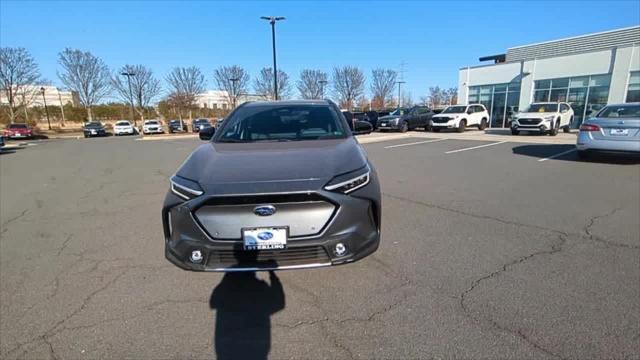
<point x="153" y="131"/>
<point x="123" y="131"/>
<point x="388" y="126"/>
<point x="541" y="126"/>
<point x="355" y="223"/>
<point x="95" y="133"/>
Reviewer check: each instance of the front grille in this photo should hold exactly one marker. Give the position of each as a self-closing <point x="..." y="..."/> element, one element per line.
<point x="268" y="258"/>
<point x="440" y="120"/>
<point x="529" y="121"/>
<point x="223" y="218"/>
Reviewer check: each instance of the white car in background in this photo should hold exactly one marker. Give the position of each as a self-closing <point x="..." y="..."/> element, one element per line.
<point x="459" y="117"/>
<point x="152" y="127"/>
<point x="546" y="117"/>
<point x="123" y="127"/>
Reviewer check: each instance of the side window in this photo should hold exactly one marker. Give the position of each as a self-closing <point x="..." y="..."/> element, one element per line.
<point x="564" y="107"/>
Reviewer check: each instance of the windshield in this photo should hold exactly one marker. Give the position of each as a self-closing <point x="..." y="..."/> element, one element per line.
<point x="542" y="107"/>
<point x="93" y="124"/>
<point x="17" y="126"/>
<point x="152" y="122"/>
<point x="455" y="110"/>
<point x="200" y="121"/>
<point x="122" y="123"/>
<point x="399" y="112"/>
<point x="282" y="123"/>
<point x="620" y="111"/>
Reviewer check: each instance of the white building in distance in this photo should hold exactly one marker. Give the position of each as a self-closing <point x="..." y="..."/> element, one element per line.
<point x="218" y="99"/>
<point x="52" y="95"/>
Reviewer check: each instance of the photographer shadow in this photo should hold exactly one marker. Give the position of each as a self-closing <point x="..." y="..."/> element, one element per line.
<point x="244" y="305"/>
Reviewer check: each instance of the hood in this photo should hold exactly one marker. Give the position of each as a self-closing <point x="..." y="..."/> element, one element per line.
<point x="535" y="114"/>
<point x="261" y="167"/>
<point x="390" y="117"/>
<point x="448" y="115"/>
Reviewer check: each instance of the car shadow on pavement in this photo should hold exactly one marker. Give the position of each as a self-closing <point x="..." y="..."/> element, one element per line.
<point x="244" y="305"/>
<point x="565" y="152"/>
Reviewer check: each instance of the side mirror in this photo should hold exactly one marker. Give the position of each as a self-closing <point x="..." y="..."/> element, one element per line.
<point x="362" y="127"/>
<point x="207" y="133"/>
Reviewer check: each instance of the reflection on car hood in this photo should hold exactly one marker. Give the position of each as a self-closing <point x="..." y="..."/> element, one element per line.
<point x="390" y="117"/>
<point x="263" y="167"/>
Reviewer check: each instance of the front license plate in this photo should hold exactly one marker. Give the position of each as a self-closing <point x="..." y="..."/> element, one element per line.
<point x="383" y="125"/>
<point x="619" y="132"/>
<point x="267" y="238"/>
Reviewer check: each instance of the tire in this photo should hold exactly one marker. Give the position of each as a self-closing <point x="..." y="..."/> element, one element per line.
<point x="556" y="127"/>
<point x="435" y="129"/>
<point x="515" y="132"/>
<point x="405" y="127"/>
<point x="462" y="125"/>
<point x="566" y="129"/>
<point x="483" y="124"/>
<point x="86" y="136"/>
<point x="427" y="128"/>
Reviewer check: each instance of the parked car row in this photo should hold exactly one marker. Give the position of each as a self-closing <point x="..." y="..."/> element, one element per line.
<point x="614" y="129"/>
<point x="18" y="131"/>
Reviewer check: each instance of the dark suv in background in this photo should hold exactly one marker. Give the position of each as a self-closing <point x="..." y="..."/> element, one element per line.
<point x="199" y="124"/>
<point x="406" y="119"/>
<point x="174" y="126"/>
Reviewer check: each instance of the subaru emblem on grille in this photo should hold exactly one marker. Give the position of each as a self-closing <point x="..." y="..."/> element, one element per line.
<point x="264" y="210"/>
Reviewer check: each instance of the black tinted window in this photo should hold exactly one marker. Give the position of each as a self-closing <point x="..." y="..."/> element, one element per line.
<point x="17" y="126"/>
<point x="282" y="123"/>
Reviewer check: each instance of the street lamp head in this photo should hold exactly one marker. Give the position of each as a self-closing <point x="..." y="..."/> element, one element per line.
<point x="272" y="19"/>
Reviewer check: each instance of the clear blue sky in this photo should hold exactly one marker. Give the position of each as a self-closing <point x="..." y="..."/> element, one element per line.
<point x="435" y="39"/>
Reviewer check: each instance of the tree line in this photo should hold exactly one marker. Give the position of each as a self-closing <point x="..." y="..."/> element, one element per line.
<point x="137" y="86"/>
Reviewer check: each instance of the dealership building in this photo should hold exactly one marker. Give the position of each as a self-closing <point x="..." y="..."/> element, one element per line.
<point x="587" y="71"/>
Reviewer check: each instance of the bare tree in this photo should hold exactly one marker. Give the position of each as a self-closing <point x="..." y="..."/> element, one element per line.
<point x="382" y="86"/>
<point x="407" y="99"/>
<point x="144" y="87"/>
<point x="436" y="96"/>
<point x="452" y="96"/>
<point x="18" y="76"/>
<point x="263" y="84"/>
<point x="85" y="74"/>
<point x="312" y="84"/>
<point x="185" y="84"/>
<point x="348" y="84"/>
<point x="232" y="79"/>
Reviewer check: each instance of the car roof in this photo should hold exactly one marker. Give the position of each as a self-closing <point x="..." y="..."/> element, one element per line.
<point x="625" y="104"/>
<point x="285" y="103"/>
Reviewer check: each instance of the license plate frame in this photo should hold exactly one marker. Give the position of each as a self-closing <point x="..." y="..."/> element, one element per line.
<point x="252" y="241"/>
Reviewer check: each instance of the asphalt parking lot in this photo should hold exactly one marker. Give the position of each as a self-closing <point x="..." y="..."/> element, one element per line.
<point x="490" y="249"/>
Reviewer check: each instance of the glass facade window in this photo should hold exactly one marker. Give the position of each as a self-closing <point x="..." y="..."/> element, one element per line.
<point x="585" y="94"/>
<point x="633" y="91"/>
<point x="501" y="101"/>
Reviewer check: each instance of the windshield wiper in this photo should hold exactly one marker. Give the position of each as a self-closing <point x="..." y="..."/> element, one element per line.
<point x="231" y="141"/>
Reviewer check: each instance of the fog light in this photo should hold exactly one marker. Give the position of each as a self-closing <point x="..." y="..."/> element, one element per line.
<point x="196" y="256"/>
<point x="340" y="249"/>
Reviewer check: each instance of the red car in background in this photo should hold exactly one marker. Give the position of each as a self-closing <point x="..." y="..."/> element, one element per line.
<point x="18" y="131"/>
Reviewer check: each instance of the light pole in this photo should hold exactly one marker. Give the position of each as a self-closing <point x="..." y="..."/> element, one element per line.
<point x="399" y="93"/>
<point x="233" y="90"/>
<point x="129" y="74"/>
<point x="61" y="106"/>
<point x="272" y="20"/>
<point x="46" y="110"/>
<point x="322" y="84"/>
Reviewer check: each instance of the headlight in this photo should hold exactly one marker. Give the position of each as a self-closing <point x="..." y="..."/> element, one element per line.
<point x="548" y="118"/>
<point x="185" y="188"/>
<point x="349" y="182"/>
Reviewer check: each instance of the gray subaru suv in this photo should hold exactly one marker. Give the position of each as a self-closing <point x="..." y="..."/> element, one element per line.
<point x="281" y="185"/>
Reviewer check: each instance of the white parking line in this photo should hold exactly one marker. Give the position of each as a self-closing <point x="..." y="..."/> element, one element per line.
<point x="557" y="155"/>
<point x="414" y="143"/>
<point x="475" y="147"/>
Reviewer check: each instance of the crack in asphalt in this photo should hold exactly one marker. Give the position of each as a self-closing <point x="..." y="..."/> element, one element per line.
<point x="64" y="245"/>
<point x="13" y="219"/>
<point x="555" y="248"/>
<point x="591" y="236"/>
<point x="53" y="330"/>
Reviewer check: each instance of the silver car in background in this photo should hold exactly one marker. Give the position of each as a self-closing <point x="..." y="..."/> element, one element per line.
<point x="615" y="129"/>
